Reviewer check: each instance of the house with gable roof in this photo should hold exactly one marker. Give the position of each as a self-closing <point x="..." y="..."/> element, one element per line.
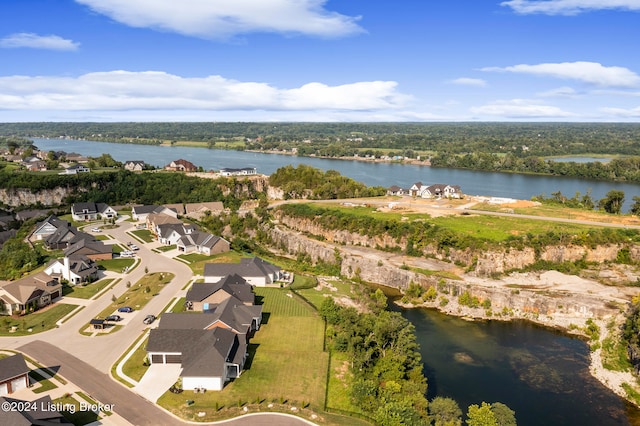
<point x="170" y="233"/>
<point x="75" y="269"/>
<point x="140" y="213"/>
<point x="181" y="166"/>
<point x="92" y="211"/>
<point x="256" y="271"/>
<point x="34" y="291"/>
<point x="202" y="295"/>
<point x="14" y="374"/>
<point x="134" y="165"/>
<point x="440" y="190"/>
<point x="203" y="242"/>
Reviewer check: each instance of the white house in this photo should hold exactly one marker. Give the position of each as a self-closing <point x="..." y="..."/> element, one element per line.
<point x="141" y="212"/>
<point x="75" y="169"/>
<point x="245" y="171"/>
<point x="440" y="190"/>
<point x="75" y="270"/>
<point x="256" y="271"/>
<point x="92" y="211"/>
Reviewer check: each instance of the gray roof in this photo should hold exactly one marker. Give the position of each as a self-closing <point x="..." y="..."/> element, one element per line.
<point x="202" y="239"/>
<point x="234" y="285"/>
<point x="40" y="413"/>
<point x="88" y="247"/>
<point x="204" y="352"/>
<point x="254" y="267"/>
<point x="13" y="366"/>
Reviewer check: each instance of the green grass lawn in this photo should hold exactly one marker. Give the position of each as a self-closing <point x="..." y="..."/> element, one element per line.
<point x="87" y="291"/>
<point x="116" y="265"/>
<point x="166" y="248"/>
<point x="286" y="365"/>
<point x="134" y="367"/>
<point x="34" y="321"/>
<point x="47" y="384"/>
<point x="137" y="296"/>
<point x="144" y="234"/>
<point x="77" y="417"/>
<point x="179" y="306"/>
<point x="197" y="260"/>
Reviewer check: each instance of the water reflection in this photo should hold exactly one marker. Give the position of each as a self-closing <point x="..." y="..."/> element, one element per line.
<point x="541" y="374"/>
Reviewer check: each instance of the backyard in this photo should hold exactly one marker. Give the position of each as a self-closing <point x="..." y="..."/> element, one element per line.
<point x="288" y="345"/>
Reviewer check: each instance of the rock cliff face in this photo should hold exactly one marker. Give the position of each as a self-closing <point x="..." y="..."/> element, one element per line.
<point x="22" y="197"/>
<point x="481" y="262"/>
<point x="521" y="303"/>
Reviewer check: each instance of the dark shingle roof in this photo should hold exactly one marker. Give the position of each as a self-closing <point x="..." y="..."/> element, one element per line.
<point x="254" y="267"/>
<point x="12" y="366"/>
<point x="234" y="285"/>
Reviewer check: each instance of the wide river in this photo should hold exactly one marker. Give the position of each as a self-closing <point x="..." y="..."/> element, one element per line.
<point x="541" y="374"/>
<point x="509" y="185"/>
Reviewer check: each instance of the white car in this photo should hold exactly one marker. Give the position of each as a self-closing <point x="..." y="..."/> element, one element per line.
<point x="134" y="247"/>
<point x="96" y="230"/>
<point x="126" y="253"/>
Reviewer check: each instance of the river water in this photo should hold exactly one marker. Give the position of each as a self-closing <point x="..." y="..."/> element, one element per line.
<point x="541" y="374"/>
<point x="509" y="185"/>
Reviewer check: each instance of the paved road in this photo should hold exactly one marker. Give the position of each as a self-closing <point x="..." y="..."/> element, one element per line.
<point x="127" y="404"/>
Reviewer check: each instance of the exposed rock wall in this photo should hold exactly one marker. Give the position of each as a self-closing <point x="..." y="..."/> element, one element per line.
<point x="483" y="262"/>
<point x="519" y="302"/>
<point x="24" y="197"/>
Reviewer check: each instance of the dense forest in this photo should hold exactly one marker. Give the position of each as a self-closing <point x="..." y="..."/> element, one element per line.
<point x="340" y="139"/>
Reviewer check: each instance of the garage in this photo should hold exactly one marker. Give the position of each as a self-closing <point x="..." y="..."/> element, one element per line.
<point x="14" y="374"/>
<point x="173" y="359"/>
<point x="157" y="359"/>
<point x="19" y="383"/>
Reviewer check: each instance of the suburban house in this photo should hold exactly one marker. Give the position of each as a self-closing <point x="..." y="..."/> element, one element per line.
<point x="134" y="166"/>
<point x="154" y="220"/>
<point x="75" y="169"/>
<point x="140" y="213"/>
<point x="92" y="211"/>
<point x="14" y="375"/>
<point x="203" y="242"/>
<point x="438" y="190"/>
<point x="396" y="190"/>
<point x="256" y="271"/>
<point x="181" y="166"/>
<point x="245" y="171"/>
<point x="94" y="250"/>
<point x="203" y="295"/>
<point x="40" y="412"/>
<point x="76" y="269"/>
<point x="35" y="165"/>
<point x="47" y="227"/>
<point x="198" y="210"/>
<point x="170" y="233"/>
<point x="34" y="291"/>
<point x="209" y="358"/>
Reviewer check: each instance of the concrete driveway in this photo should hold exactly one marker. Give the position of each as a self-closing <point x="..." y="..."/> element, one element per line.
<point x="157" y="380"/>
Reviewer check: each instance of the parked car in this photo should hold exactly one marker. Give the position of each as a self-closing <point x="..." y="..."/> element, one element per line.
<point x="149" y="319"/>
<point x="114" y="318"/>
<point x="126" y="253"/>
<point x="125" y="309"/>
<point x="96" y="230"/>
<point x="134" y="247"/>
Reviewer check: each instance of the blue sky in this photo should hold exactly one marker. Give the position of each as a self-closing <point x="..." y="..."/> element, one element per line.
<point x="318" y="60"/>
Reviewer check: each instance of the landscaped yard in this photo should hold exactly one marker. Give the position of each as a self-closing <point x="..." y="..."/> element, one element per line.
<point x="46" y="384"/>
<point x="77" y="417"/>
<point x="134" y="367"/>
<point x="140" y="293"/>
<point x="166" y="248"/>
<point x="87" y="291"/>
<point x="116" y="265"/>
<point x="286" y="366"/>
<point x="144" y="234"/>
<point x="197" y="260"/>
<point x="42" y="320"/>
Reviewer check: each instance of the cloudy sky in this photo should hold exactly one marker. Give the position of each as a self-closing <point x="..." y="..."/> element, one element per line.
<point x="319" y="60"/>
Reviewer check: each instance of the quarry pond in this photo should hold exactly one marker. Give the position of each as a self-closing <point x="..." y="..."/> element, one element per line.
<point x="541" y="374"/>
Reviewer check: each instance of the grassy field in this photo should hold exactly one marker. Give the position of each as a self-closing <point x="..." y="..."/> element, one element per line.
<point x="42" y="320"/>
<point x="286" y="366"/>
<point x="116" y="265"/>
<point x="137" y="296"/>
<point x="197" y="260"/>
<point x="87" y="291"/>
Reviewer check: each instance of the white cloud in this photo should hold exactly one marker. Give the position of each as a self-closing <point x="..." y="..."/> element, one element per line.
<point x="35" y="41"/>
<point x="520" y="108"/>
<point x="152" y="90"/>
<point x="588" y="72"/>
<point x="560" y="92"/>
<point x="225" y="18"/>
<point x="569" y="7"/>
<point x="621" y="112"/>
<point x="465" y="81"/>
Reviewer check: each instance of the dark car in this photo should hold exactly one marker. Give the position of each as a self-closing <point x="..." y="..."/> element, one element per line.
<point x="125" y="309"/>
<point x="114" y="318"/>
<point x="149" y="319"/>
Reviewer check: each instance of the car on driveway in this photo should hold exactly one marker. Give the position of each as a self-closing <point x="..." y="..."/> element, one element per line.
<point x="114" y="318"/>
<point x="125" y="309"/>
<point x="149" y="319"/>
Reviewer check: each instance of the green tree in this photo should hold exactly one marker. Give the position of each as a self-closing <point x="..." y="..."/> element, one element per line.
<point x="635" y="208"/>
<point x="445" y="412"/>
<point x="505" y="416"/>
<point x="613" y="201"/>
<point x="481" y="416"/>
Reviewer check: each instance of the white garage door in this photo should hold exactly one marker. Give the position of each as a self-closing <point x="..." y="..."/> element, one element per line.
<point x="19" y="383"/>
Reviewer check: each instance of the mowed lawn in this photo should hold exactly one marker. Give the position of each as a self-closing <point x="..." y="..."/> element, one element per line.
<point x="286" y="365"/>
